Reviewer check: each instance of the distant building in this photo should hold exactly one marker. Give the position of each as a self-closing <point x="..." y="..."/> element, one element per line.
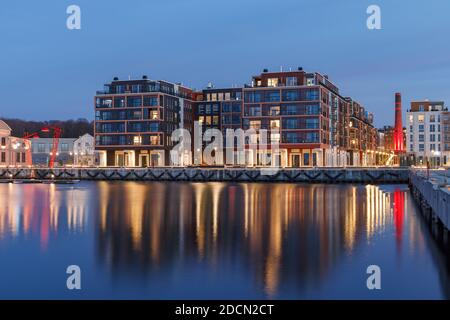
<point x="426" y="133"/>
<point x="42" y="148"/>
<point x="445" y="127"/>
<point x="13" y="151"/>
<point x="83" y="151"/>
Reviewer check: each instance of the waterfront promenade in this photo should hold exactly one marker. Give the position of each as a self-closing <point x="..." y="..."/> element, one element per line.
<point x="204" y="174"/>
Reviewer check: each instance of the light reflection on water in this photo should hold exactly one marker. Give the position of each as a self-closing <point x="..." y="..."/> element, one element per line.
<point x="281" y="240"/>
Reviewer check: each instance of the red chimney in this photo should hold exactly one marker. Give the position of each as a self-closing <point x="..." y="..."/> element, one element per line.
<point x="398" y="129"/>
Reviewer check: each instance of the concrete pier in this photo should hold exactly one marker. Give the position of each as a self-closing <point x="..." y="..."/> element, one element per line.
<point x="294" y="175"/>
<point x="433" y="196"/>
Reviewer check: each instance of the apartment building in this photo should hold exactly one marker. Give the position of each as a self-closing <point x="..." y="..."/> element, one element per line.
<point x="313" y="124"/>
<point x="134" y="121"/>
<point x="426" y="132"/>
<point x="13" y="151"/>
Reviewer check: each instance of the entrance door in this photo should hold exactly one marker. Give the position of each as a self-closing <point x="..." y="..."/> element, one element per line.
<point x="296" y="160"/>
<point x="143" y="160"/>
<point x="155" y="160"/>
<point x="120" y="161"/>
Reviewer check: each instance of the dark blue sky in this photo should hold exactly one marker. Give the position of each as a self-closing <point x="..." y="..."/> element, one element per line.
<point x="50" y="72"/>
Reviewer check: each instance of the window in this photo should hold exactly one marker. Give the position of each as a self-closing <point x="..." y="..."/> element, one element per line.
<point x="17" y="157"/>
<point x="291" y="95"/>
<point x="64" y="147"/>
<point x="273" y="96"/>
<point x="135" y="88"/>
<point x="23" y="157"/>
<point x="154" y="140"/>
<point x="421" y="147"/>
<point x="432" y="137"/>
<point x="236" y="107"/>
<point x="272" y="82"/>
<point x="154" y="115"/>
<point x="226" y="107"/>
<point x="421" y="138"/>
<point x="255" y="124"/>
<point x="274" y="110"/>
<point x="432" y="147"/>
<point x="3" y="157"/>
<point x="312" y="94"/>
<point x="291" y="81"/>
<point x="134" y="102"/>
<point x="137" y="140"/>
<point x="432" y="128"/>
<point x="274" y="124"/>
<point x="421" y="128"/>
<point x="421" y="107"/>
<point x="432" y="118"/>
<point x="41" y="147"/>
<point x="3" y="141"/>
<point x="421" y="118"/>
<point x="150" y="101"/>
<point x="103" y="103"/>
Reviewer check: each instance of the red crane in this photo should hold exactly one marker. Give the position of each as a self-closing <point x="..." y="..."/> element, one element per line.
<point x="56" y="135"/>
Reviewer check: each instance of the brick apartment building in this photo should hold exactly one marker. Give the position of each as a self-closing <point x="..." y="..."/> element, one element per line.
<point x="304" y="112"/>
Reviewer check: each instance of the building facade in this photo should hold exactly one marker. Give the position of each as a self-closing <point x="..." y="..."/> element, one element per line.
<point x="42" y="149"/>
<point x="84" y="151"/>
<point x="426" y="133"/>
<point x="134" y="121"/>
<point x="304" y="113"/>
<point x="15" y="152"/>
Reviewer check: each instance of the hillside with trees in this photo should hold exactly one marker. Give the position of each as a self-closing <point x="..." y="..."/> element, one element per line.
<point x="70" y="128"/>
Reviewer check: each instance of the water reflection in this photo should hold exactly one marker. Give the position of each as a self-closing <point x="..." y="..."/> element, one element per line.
<point x="276" y="235"/>
<point x="283" y="232"/>
<point x="29" y="210"/>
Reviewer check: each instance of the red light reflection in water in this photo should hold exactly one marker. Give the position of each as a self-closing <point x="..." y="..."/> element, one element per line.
<point x="399" y="214"/>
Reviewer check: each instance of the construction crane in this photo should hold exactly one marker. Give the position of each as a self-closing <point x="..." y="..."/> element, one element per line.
<point x="56" y="135"/>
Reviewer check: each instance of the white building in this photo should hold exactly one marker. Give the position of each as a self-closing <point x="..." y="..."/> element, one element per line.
<point x="13" y="151"/>
<point x="42" y="150"/>
<point x="83" y="151"/>
<point x="424" y="132"/>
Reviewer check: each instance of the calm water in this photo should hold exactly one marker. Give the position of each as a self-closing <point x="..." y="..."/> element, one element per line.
<point x="216" y="240"/>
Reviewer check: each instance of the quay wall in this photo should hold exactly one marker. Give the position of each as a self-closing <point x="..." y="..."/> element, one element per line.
<point x="294" y="175"/>
<point x="433" y="197"/>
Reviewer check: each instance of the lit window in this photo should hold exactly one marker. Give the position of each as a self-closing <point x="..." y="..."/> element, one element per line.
<point x="137" y="140"/>
<point x="272" y="82"/>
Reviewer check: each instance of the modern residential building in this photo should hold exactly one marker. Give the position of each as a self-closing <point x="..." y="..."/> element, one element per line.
<point x="445" y="127"/>
<point x="134" y="121"/>
<point x="425" y="132"/>
<point x="317" y="125"/>
<point x="84" y="151"/>
<point x="13" y="151"/>
<point x="42" y="148"/>
<point x="304" y="112"/>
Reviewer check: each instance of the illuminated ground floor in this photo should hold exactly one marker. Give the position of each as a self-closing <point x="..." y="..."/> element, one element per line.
<point x="284" y="157"/>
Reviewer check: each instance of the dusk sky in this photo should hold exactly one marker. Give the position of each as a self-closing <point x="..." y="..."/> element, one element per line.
<point x="49" y="72"/>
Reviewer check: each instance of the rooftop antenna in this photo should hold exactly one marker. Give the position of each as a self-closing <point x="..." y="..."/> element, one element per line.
<point x="129" y="77"/>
